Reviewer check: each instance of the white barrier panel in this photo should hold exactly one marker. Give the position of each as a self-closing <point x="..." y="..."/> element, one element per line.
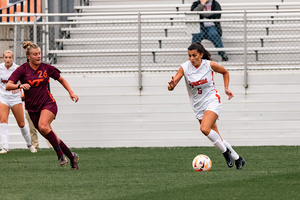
<point x="113" y="112"/>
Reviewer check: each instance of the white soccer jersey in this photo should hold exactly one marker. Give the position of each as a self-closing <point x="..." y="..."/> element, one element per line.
<point x="200" y="85"/>
<point x="4" y="75"/>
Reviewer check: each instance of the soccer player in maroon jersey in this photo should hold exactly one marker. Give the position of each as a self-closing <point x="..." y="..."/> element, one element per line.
<point x="40" y="104"/>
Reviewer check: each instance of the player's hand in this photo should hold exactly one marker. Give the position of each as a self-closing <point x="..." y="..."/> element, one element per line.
<point x="229" y="94"/>
<point x="25" y="86"/>
<point x="172" y="84"/>
<point x="74" y="97"/>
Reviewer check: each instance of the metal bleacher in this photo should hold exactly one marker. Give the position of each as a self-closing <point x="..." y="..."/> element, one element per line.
<point x="99" y="33"/>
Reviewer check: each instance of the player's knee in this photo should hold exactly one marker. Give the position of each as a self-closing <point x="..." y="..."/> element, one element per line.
<point x="4" y="121"/>
<point x="21" y="124"/>
<point x="205" y="130"/>
<point x="44" y="128"/>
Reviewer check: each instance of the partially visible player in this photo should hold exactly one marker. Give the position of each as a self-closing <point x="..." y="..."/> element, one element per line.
<point x="11" y="100"/>
<point x="205" y="99"/>
<point x="40" y="104"/>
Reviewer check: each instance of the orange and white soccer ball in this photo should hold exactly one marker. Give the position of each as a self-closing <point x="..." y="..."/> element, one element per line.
<point x="201" y="163"/>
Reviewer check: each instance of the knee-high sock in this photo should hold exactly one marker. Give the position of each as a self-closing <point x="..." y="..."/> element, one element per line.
<point x="234" y="155"/>
<point x="65" y="149"/>
<point x="214" y="137"/>
<point x="51" y="137"/>
<point x="26" y="135"/>
<point x="4" y="135"/>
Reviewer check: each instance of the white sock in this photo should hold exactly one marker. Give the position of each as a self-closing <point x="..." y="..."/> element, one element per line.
<point x="214" y="137"/>
<point x="4" y="135"/>
<point x="234" y="155"/>
<point x="26" y="135"/>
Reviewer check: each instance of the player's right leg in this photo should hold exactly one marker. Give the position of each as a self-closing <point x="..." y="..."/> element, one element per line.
<point x="4" y="112"/>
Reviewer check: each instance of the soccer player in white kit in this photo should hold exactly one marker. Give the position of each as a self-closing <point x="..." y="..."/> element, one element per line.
<point x="205" y="99"/>
<point x="11" y="100"/>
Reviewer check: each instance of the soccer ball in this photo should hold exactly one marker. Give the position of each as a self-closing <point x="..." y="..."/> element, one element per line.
<point x="201" y="163"/>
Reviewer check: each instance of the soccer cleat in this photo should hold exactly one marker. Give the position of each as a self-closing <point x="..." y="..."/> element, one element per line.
<point x="239" y="163"/>
<point x="4" y="150"/>
<point x="32" y="148"/>
<point x="74" y="165"/>
<point x="228" y="158"/>
<point x="62" y="160"/>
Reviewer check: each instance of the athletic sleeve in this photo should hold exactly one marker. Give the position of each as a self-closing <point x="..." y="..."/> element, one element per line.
<point x="53" y="72"/>
<point x="185" y="66"/>
<point x="16" y="75"/>
<point x="209" y="67"/>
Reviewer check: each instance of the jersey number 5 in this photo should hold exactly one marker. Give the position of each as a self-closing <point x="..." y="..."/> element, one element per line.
<point x="199" y="90"/>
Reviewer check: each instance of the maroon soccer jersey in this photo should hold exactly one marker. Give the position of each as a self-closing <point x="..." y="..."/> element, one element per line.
<point x="39" y="93"/>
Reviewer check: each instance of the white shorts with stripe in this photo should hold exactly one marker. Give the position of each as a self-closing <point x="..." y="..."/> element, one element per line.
<point x="214" y="105"/>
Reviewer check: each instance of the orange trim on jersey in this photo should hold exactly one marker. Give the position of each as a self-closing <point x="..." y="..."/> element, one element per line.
<point x="50" y="94"/>
<point x="218" y="96"/>
<point x="22" y="93"/>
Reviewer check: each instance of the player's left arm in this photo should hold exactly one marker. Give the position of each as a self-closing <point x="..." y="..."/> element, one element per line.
<point x="66" y="85"/>
<point x="220" y="69"/>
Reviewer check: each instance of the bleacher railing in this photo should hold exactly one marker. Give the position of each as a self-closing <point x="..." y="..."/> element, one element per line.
<point x="158" y="41"/>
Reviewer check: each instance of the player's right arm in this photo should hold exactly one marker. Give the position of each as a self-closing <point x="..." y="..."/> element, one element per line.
<point x="14" y="78"/>
<point x="12" y="86"/>
<point x="175" y="80"/>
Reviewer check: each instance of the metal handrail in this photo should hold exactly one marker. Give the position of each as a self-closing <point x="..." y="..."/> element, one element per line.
<point x="148" y="13"/>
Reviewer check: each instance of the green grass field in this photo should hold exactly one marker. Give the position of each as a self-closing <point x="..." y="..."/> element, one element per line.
<point x="151" y="173"/>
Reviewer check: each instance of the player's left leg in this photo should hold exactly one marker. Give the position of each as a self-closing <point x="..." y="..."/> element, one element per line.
<point x="19" y="115"/>
<point x="239" y="161"/>
<point x="71" y="155"/>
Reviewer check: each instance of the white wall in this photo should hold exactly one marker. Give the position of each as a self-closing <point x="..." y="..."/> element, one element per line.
<point x="112" y="112"/>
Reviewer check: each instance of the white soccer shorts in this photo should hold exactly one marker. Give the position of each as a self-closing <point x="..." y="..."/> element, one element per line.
<point x="214" y="106"/>
<point x="10" y="102"/>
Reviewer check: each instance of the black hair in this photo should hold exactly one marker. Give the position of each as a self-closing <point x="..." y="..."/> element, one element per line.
<point x="199" y="47"/>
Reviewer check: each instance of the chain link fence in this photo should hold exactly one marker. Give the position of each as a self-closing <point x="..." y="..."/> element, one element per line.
<point x="156" y="41"/>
